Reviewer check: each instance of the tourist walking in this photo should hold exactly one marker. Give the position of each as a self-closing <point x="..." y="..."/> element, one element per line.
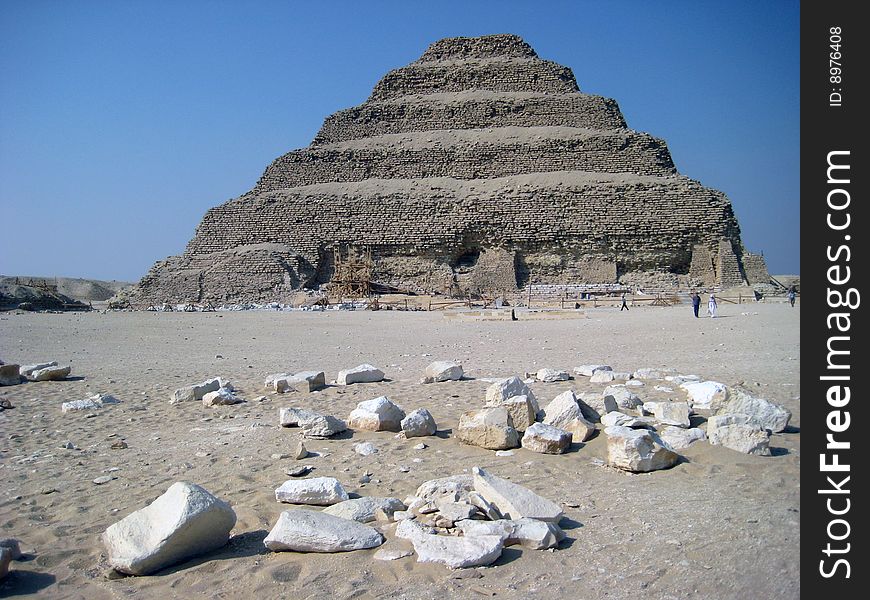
<point x="712" y="306"/>
<point x="624" y="305"/>
<point x="696" y="303"/>
<point x="791" y="295"/>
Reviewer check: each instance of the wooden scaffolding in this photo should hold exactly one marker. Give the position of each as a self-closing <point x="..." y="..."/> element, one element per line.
<point x="352" y="273"/>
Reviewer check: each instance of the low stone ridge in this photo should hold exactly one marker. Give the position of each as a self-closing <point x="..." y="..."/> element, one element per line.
<point x="474" y="139"/>
<point x="312" y="531"/>
<point x="184" y="522"/>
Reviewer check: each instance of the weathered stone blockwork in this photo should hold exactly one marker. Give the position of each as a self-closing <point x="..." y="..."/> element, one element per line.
<point x="478" y="167"/>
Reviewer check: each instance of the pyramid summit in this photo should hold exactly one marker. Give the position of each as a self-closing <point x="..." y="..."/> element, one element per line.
<point x="479" y="168"/>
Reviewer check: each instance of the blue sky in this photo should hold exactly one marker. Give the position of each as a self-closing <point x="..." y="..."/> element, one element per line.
<point x="122" y="122"/>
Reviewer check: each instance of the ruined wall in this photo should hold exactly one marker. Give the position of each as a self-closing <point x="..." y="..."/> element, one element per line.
<point x="755" y="268"/>
<point x="478" y="164"/>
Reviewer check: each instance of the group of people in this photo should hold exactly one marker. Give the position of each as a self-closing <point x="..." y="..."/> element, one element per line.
<point x="712" y="305"/>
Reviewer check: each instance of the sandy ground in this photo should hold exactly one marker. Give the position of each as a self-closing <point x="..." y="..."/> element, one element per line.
<point x="718" y="525"/>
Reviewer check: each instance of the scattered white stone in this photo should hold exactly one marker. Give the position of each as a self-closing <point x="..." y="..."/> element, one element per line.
<point x="453" y="552"/>
<point x="521" y="410"/>
<point x="621" y="396"/>
<point x="680" y="379"/>
<point x="301" y="451"/>
<point x="96" y="401"/>
<point x="26" y="370"/>
<point x="672" y="413"/>
<point x="504" y="453"/>
<point x="617" y="419"/>
<point x="552" y="375"/>
<point x="444" y="370"/>
<point x="490" y="428"/>
<point x="590" y="370"/>
<point x="364" y="510"/>
<point x="765" y="413"/>
<point x="184" y="522"/>
<point x="565" y="413"/>
<point x="321" y="427"/>
<point x="361" y="374"/>
<point x="707" y="395"/>
<point x="514" y="501"/>
<point x="195" y="392"/>
<point x="634" y="383"/>
<point x="662" y="388"/>
<point x="534" y="534"/>
<point x="221" y="397"/>
<point x="455" y="511"/>
<point x="392" y="553"/>
<point x="453" y="488"/>
<point x="365" y="449"/>
<point x="738" y="432"/>
<point x="602" y="377"/>
<point x="295" y="417"/>
<point x="484" y="506"/>
<point x="653" y="373"/>
<point x="312" y="531"/>
<point x="678" y="438"/>
<point x="52" y="373"/>
<point x="546" y="439"/>
<point x="378" y="414"/>
<point x="508" y="388"/>
<point x="304" y="381"/>
<point x="419" y="423"/>
<point x="321" y="491"/>
<point x="420" y="446"/>
<point x="636" y="450"/>
<point x="103" y="479"/>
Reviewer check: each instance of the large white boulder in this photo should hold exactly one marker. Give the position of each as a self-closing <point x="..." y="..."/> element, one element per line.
<point x="184" y="522"/>
<point x="453" y="488"/>
<point x="321" y="427"/>
<point x="378" y="414"/>
<point x="565" y="413"/>
<point x="706" y="395"/>
<point x="364" y="510"/>
<point x="295" y="417"/>
<point x="304" y="381"/>
<point x="528" y="533"/>
<point x="444" y="370"/>
<point x="546" y="439"/>
<point x="765" y="413"/>
<point x="221" y="397"/>
<point x="453" y="552"/>
<point x="312" y="531"/>
<point x="52" y="373"/>
<point x="490" y="428"/>
<point x="419" y="423"/>
<point x="320" y="491"/>
<point x="637" y="450"/>
<point x="679" y="438"/>
<point x="672" y="413"/>
<point x="738" y="432"/>
<point x="514" y="501"/>
<point x="195" y="392"/>
<point x="508" y="388"/>
<point x="360" y="374"/>
<point x="26" y="370"/>
<point x="520" y="408"/>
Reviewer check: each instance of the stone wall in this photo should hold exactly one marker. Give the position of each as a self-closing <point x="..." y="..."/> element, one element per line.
<point x="755" y="268"/>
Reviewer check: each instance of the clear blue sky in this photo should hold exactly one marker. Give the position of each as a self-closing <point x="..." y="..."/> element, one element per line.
<point x="122" y="122"/>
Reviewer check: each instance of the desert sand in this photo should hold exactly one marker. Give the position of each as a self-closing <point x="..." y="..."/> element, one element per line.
<point x="718" y="525"/>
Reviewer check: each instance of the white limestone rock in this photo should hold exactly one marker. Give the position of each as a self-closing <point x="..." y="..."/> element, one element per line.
<point x="419" y="423"/>
<point x="738" y="432"/>
<point x="706" y="395"/>
<point x="322" y="427"/>
<point x="503" y="528"/>
<point x="454" y="488"/>
<point x="565" y="413"/>
<point x="638" y="451"/>
<point x="195" y="392"/>
<point x="535" y="534"/>
<point x="508" y="388"/>
<point x="378" y="414"/>
<point x="320" y="491"/>
<point x="304" y="530"/>
<point x="184" y="522"/>
<point x="26" y="370"/>
<point x="490" y="428"/>
<point x="621" y="396"/>
<point x="221" y="397"/>
<point x="617" y="419"/>
<point x="453" y="552"/>
<point x="764" y="413"/>
<point x="514" y="501"/>
<point x="552" y="375"/>
<point x="444" y="370"/>
<point x="360" y="374"/>
<point x="304" y="381"/>
<point x="546" y="439"/>
<point x="478" y="501"/>
<point x="590" y="370"/>
<point x="95" y="402"/>
<point x="295" y="417"/>
<point x="678" y="438"/>
<point x="455" y="511"/>
<point x="653" y="373"/>
<point x="365" y="449"/>
<point x="392" y="553"/>
<point x="521" y="410"/>
<point x="672" y="413"/>
<point x="364" y="510"/>
<point x="591" y="405"/>
<point x="53" y="373"/>
<point x="602" y="377"/>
